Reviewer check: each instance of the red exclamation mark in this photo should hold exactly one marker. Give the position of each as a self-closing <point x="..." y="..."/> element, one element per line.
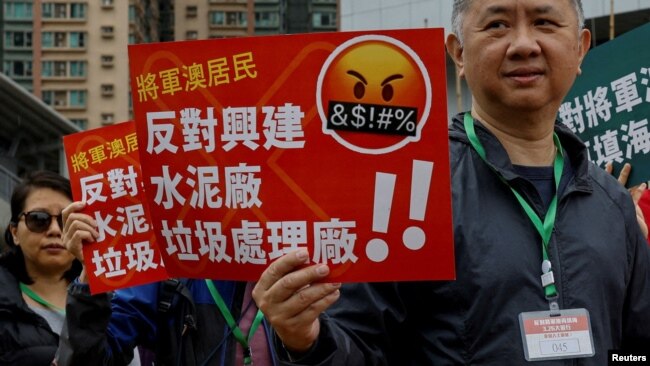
<point x="414" y="237"/>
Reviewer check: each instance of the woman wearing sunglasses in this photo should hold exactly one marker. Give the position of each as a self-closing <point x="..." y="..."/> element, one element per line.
<point x="35" y="271"/>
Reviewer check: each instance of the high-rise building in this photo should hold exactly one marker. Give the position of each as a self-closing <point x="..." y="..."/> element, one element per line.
<point x="16" y="47"/>
<point x="72" y="54"/>
<point x="201" y="19"/>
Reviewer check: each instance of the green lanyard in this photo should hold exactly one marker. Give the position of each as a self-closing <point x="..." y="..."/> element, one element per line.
<point x="545" y="228"/>
<point x="34" y="296"/>
<point x="239" y="336"/>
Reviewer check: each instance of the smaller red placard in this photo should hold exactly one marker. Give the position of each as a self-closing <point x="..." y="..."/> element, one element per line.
<point x="104" y="169"/>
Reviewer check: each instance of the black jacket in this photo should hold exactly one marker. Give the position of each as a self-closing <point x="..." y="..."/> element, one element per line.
<point x="600" y="259"/>
<point x="25" y="337"/>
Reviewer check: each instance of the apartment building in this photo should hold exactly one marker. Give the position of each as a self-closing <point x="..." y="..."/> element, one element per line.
<point x="71" y="54"/>
<point x="202" y="19"/>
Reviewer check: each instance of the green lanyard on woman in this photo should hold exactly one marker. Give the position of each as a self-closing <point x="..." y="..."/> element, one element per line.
<point x="545" y="228"/>
<point x="34" y="296"/>
<point x="236" y="331"/>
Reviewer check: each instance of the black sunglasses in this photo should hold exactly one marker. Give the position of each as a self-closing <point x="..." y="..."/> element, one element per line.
<point x="40" y="221"/>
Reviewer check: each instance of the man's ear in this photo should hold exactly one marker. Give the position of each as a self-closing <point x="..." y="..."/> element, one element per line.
<point x="455" y="50"/>
<point x="585" y="43"/>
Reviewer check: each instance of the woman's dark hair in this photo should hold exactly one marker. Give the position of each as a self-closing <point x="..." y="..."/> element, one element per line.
<point x="13" y="259"/>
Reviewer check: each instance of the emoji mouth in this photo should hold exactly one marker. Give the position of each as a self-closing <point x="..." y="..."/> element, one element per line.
<point x="372" y="118"/>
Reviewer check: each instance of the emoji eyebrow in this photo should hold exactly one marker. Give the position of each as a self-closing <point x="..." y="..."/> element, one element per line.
<point x="358" y="76"/>
<point x="391" y="78"/>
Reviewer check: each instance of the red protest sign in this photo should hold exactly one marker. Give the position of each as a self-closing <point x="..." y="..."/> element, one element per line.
<point x="334" y="142"/>
<point x="104" y="170"/>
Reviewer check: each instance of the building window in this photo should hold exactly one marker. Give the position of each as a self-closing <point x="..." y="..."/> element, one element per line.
<point x="217" y="17"/>
<point x="77" y="40"/>
<point x="267" y="19"/>
<point x="131" y="13"/>
<point x="47" y="39"/>
<point x="60" y="39"/>
<point x="48" y="10"/>
<point x="107" y="31"/>
<point x="55" y="98"/>
<point x="80" y="122"/>
<point x="229" y="18"/>
<point x="77" y="69"/>
<point x="18" y="10"/>
<point x="324" y="19"/>
<point x="60" y="10"/>
<point x="107" y="118"/>
<point x="78" y="11"/>
<point x="77" y="98"/>
<point x="17" y="68"/>
<point x="131" y="38"/>
<point x="190" y="35"/>
<point x="64" y="40"/>
<point x="236" y="18"/>
<point x="73" y="69"/>
<point x="18" y="39"/>
<point x="107" y="90"/>
<point x="65" y="98"/>
<point x="60" y="68"/>
<point x="107" y="3"/>
<point x="190" y="11"/>
<point x="107" y="60"/>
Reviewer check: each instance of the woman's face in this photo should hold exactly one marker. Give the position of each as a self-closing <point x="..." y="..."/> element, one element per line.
<point x="44" y="251"/>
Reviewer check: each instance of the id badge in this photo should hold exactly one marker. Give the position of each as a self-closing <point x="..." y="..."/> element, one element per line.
<point x="546" y="337"/>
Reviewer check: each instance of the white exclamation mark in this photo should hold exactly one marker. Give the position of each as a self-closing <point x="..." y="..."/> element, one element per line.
<point x="377" y="249"/>
<point x="414" y="237"/>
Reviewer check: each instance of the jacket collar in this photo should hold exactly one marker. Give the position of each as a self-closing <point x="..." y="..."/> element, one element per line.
<point x="498" y="158"/>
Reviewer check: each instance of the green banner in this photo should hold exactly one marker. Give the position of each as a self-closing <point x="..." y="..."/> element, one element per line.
<point x="609" y="104"/>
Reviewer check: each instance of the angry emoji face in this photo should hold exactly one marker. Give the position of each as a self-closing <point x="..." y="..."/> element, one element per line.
<point x="374" y="85"/>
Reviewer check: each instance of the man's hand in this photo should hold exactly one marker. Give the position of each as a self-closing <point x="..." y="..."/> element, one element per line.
<point x="291" y="299"/>
<point x="636" y="192"/>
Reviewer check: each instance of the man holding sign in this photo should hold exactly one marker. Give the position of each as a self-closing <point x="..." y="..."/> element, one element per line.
<point x="551" y="262"/>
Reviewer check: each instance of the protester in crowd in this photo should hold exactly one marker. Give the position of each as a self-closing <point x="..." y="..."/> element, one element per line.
<point x="35" y="271"/>
<point x="640" y="196"/>
<point x="185" y="322"/>
<point x="513" y="168"/>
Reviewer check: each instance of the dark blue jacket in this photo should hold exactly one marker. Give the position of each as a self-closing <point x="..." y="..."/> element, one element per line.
<point x="101" y="330"/>
<point x="601" y="262"/>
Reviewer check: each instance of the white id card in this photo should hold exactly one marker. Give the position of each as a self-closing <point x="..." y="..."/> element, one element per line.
<point x="547" y="337"/>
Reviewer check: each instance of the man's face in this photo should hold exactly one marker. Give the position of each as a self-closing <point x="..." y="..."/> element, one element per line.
<point x="521" y="55"/>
